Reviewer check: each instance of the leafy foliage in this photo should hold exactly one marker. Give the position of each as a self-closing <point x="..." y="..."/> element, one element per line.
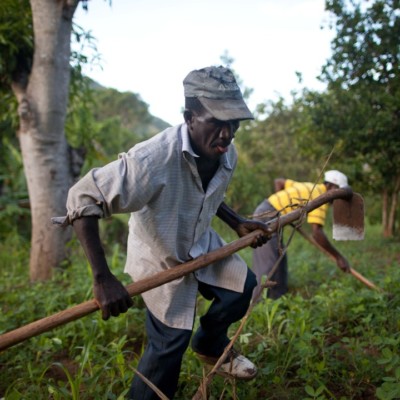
<point x="16" y="40"/>
<point x="329" y="338"/>
<point x="359" y="115"/>
<point x="15" y="54"/>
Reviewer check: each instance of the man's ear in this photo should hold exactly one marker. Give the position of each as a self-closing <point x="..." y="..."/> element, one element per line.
<point x="188" y="115"/>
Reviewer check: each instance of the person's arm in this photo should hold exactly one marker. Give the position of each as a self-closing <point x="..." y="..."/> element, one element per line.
<point x="320" y="237"/>
<point x="279" y="184"/>
<point x="109" y="293"/>
<point x="243" y="226"/>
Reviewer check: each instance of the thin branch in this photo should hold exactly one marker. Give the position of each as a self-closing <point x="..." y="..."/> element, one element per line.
<point x="208" y="379"/>
<point x="157" y="391"/>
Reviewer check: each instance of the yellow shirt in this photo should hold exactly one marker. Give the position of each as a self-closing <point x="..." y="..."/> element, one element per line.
<point x="296" y="194"/>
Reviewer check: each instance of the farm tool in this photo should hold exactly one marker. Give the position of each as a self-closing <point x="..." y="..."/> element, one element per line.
<point x="348" y="224"/>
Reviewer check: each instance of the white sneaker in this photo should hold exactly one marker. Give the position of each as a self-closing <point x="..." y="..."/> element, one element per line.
<point x="235" y="366"/>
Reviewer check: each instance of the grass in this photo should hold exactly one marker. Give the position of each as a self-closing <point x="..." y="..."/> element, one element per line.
<point x="329" y="338"/>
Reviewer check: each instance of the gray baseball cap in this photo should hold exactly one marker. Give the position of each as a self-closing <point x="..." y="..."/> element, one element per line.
<point x="218" y="92"/>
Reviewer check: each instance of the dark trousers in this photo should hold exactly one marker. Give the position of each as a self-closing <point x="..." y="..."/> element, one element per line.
<point x="266" y="256"/>
<point x="162" y="358"/>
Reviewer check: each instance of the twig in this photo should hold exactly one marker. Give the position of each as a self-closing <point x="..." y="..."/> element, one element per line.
<point x="157" y="391"/>
<point x="208" y="379"/>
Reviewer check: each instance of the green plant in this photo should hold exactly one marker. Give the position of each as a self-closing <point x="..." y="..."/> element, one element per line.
<point x="329" y="338"/>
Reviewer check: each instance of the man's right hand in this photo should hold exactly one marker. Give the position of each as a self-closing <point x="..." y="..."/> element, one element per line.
<point x="343" y="264"/>
<point x="109" y="293"/>
<point x="111" y="296"/>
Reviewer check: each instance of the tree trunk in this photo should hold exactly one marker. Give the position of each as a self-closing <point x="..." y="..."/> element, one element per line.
<point x="389" y="208"/>
<point x="385" y="199"/>
<point x="393" y="206"/>
<point x="42" y="110"/>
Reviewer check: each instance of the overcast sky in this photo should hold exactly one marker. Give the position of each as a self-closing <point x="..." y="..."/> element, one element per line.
<point x="149" y="46"/>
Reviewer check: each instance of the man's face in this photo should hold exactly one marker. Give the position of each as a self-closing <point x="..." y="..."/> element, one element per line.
<point x="331" y="186"/>
<point x="210" y="137"/>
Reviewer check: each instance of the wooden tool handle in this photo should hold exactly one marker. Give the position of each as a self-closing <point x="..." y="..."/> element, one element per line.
<point x="71" y="314"/>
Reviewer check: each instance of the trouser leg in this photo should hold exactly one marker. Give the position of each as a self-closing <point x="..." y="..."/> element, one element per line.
<point x="266" y="256"/>
<point x="161" y="360"/>
<point x="227" y="307"/>
<point x="264" y="259"/>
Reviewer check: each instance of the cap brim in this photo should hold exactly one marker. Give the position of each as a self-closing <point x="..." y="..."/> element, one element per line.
<point x="227" y="109"/>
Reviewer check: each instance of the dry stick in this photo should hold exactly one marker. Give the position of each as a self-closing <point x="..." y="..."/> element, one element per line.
<point x="356" y="274"/>
<point x="203" y="386"/>
<point x="71" y="314"/>
<point x="208" y="379"/>
<point x="157" y="391"/>
<point x="45" y="324"/>
<point x="268" y="283"/>
<point x="303" y="210"/>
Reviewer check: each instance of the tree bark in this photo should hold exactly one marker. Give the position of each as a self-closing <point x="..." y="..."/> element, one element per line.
<point x="385" y="200"/>
<point x="389" y="208"/>
<point x="43" y="99"/>
<point x="393" y="207"/>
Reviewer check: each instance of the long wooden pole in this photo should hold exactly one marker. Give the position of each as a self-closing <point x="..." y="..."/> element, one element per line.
<point x="71" y="314"/>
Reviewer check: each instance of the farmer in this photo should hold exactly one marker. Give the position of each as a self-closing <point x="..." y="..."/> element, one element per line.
<point x="289" y="195"/>
<point x="173" y="184"/>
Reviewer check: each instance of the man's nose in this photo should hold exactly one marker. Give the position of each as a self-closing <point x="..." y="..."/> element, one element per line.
<point x="227" y="131"/>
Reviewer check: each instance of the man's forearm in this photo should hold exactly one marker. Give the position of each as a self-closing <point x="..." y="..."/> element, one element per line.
<point x="109" y="292"/>
<point x="229" y="216"/>
<point x="87" y="231"/>
<point x="243" y="226"/>
<point x="323" y="241"/>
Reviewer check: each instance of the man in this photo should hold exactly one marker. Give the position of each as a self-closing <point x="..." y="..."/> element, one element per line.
<point x="290" y="195"/>
<point x="173" y="184"/>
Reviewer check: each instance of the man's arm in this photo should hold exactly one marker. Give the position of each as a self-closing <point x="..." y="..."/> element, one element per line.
<point x="243" y="226"/>
<point x="320" y="237"/>
<point x="109" y="293"/>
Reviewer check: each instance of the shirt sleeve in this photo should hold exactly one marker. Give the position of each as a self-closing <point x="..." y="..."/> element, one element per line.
<point x="122" y="186"/>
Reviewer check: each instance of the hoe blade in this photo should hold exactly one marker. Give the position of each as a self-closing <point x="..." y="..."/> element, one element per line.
<point x="348" y="218"/>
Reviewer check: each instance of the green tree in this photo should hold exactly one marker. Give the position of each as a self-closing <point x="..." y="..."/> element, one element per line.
<point x="65" y="123"/>
<point x="35" y="64"/>
<point x="360" y="112"/>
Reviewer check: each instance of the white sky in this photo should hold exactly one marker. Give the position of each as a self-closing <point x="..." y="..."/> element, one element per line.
<point x="149" y="46"/>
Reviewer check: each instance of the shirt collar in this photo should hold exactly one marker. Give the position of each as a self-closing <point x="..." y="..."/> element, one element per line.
<point x="187" y="147"/>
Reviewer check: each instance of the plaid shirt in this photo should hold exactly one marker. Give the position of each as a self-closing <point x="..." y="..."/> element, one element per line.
<point x="158" y="183"/>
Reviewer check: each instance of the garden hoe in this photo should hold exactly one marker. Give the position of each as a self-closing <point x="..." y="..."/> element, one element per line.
<point x="350" y="222"/>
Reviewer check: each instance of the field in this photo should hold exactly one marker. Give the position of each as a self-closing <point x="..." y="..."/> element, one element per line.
<point x="331" y="337"/>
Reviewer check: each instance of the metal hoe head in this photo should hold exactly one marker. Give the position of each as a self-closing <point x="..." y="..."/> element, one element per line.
<point x="348" y="218"/>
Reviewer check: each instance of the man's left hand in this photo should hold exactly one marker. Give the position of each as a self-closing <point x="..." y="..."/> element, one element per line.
<point x="248" y="226"/>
